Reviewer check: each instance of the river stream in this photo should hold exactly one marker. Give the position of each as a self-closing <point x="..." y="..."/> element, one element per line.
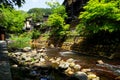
<point x="110" y="70"/>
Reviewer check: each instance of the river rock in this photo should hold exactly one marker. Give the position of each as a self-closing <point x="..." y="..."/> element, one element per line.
<point x="70" y="60"/>
<point x="100" y="62"/>
<point x="40" y="51"/>
<point x="15" y="65"/>
<point x="92" y="76"/>
<point x="28" y="58"/>
<point x="26" y="49"/>
<point x="55" y="64"/>
<point x="77" y="67"/>
<point x="64" y="64"/>
<point x="58" y="59"/>
<point x="18" y="53"/>
<point x="79" y="76"/>
<point x="42" y="59"/>
<point x="86" y="70"/>
<point x="40" y="64"/>
<point x="69" y="71"/>
<point x="33" y="73"/>
<point x="72" y="65"/>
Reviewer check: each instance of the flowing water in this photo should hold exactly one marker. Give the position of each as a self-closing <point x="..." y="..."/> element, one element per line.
<point x="108" y="71"/>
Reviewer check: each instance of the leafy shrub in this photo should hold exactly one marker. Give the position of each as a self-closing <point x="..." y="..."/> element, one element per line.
<point x="19" y="42"/>
<point x="35" y="34"/>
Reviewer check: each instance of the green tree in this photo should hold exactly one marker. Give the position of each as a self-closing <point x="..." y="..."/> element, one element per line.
<point x="100" y="23"/>
<point x="100" y="15"/>
<point x="37" y="13"/>
<point x="2" y="18"/>
<point x="57" y="24"/>
<point x="12" y="2"/>
<point x="56" y="21"/>
<point x="13" y="20"/>
<point x="57" y="8"/>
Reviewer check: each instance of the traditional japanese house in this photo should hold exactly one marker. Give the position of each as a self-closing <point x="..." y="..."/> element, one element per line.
<point x="28" y="24"/>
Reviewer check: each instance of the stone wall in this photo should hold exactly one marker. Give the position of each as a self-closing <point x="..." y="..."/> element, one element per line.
<point x="79" y="44"/>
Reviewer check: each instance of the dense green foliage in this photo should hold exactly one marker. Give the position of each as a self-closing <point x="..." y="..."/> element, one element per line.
<point x="100" y="15"/>
<point x="56" y="19"/>
<point x="56" y="22"/>
<point x="38" y="13"/>
<point x="1" y="18"/>
<point x="35" y="34"/>
<point x="20" y="41"/>
<point x="23" y="40"/>
<point x="12" y="19"/>
<point x="57" y="8"/>
<point x="100" y="25"/>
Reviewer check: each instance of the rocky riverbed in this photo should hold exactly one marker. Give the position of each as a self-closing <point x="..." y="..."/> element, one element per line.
<point x="35" y="64"/>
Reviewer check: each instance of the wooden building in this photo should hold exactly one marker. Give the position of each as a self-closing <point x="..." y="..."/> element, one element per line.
<point x="45" y="18"/>
<point x="28" y="25"/>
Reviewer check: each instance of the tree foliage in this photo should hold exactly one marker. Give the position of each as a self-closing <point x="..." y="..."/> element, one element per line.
<point x="12" y="19"/>
<point x="56" y="19"/>
<point x="100" y="15"/>
<point x="56" y="22"/>
<point x="12" y="3"/>
<point x="100" y="24"/>
<point x="1" y="18"/>
<point x="57" y="8"/>
<point x="37" y="13"/>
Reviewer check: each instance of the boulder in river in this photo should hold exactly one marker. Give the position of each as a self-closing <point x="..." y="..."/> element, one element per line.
<point x="100" y="62"/>
<point x="26" y="49"/>
<point x="92" y="76"/>
<point x="78" y="76"/>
